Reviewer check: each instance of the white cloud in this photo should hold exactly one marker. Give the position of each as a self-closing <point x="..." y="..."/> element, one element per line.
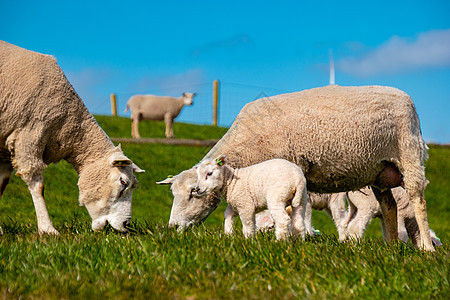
<point x="399" y="54"/>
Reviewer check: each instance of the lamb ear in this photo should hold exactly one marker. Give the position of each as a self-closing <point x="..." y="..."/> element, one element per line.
<point x="221" y="160"/>
<point x="168" y="180"/>
<point x="137" y="169"/>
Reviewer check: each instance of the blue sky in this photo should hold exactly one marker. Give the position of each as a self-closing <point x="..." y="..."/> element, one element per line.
<point x="254" y="48"/>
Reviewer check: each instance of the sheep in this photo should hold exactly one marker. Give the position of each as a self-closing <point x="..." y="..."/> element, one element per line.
<point x="156" y="108"/>
<point x="363" y="207"/>
<point x="343" y="138"/>
<point x="333" y="204"/>
<point x="43" y="121"/>
<point x="273" y="184"/>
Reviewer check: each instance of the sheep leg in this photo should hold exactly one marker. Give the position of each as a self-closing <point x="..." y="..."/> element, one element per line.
<point x="359" y="223"/>
<point x="338" y="213"/>
<point x="27" y="160"/>
<point x="413" y="171"/>
<point x="308" y="218"/>
<point x="283" y="221"/>
<point x="169" y="126"/>
<point x="248" y="224"/>
<point x="389" y="212"/>
<point x="402" y="232"/>
<point x="420" y="210"/>
<point x="352" y="211"/>
<point x="298" y="217"/>
<point x="411" y="229"/>
<point x="229" y="216"/>
<point x="5" y="174"/>
<point x="36" y="187"/>
<point x="135" y="128"/>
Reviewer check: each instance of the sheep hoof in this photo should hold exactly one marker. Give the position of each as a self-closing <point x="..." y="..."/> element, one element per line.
<point x="48" y="231"/>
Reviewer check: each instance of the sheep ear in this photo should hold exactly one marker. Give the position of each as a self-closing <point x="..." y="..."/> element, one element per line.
<point x="184" y="94"/>
<point x="221" y="160"/>
<point x="168" y="180"/>
<point x="119" y="160"/>
<point x="137" y="169"/>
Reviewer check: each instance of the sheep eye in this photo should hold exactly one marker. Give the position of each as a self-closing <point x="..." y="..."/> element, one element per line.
<point x="209" y="174"/>
<point x="190" y="194"/>
<point x="123" y="182"/>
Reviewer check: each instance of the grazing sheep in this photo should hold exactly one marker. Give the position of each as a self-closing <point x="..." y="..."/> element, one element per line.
<point x="156" y="108"/>
<point x="43" y="120"/>
<point x="333" y="204"/>
<point x="343" y="138"/>
<point x="273" y="184"/>
<point x="363" y="207"/>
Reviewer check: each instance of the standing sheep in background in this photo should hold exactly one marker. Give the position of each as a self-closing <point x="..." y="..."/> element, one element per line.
<point x="273" y="184"/>
<point x="43" y="121"/>
<point x="343" y="138"/>
<point x="156" y="108"/>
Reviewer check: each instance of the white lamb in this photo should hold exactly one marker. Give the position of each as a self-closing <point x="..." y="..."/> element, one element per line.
<point x="43" y="121"/>
<point x="273" y="184"/>
<point x="156" y="108"/>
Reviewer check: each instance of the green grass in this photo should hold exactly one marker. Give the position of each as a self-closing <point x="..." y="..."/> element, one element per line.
<point x="121" y="127"/>
<point x="153" y="261"/>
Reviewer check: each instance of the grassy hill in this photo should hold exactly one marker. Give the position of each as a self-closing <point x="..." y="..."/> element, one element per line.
<point x="155" y="262"/>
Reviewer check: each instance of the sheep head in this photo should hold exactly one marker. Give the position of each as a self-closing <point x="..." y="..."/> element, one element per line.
<point x="210" y="175"/>
<point x="188" y="98"/>
<point x="188" y="208"/>
<point x="106" y="187"/>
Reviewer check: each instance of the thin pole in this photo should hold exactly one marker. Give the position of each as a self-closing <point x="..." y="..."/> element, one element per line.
<point x="113" y="105"/>
<point x="332" y="79"/>
<point x="215" y="102"/>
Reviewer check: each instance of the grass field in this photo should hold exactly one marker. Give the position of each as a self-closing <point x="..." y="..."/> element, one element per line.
<point x="153" y="261"/>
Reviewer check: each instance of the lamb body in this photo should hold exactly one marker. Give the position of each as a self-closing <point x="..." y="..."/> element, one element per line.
<point x="273" y="184"/>
<point x="343" y="138"/>
<point x="43" y="120"/>
<point x="156" y="108"/>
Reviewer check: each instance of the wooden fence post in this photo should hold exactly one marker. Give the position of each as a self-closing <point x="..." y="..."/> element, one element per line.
<point x="113" y="105"/>
<point x="215" y="102"/>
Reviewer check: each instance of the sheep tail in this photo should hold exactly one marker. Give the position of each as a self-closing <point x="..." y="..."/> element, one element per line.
<point x="126" y="109"/>
<point x="299" y="194"/>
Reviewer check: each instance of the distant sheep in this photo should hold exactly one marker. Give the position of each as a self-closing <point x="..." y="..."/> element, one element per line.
<point x="343" y="138"/>
<point x="273" y="184"/>
<point x="156" y="108"/>
<point x="43" y="121"/>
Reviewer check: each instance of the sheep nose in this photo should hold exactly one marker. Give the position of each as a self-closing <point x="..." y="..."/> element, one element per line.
<point x="126" y="223"/>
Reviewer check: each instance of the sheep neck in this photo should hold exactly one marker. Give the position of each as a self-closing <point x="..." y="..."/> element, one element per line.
<point x="90" y="143"/>
<point x="229" y="180"/>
